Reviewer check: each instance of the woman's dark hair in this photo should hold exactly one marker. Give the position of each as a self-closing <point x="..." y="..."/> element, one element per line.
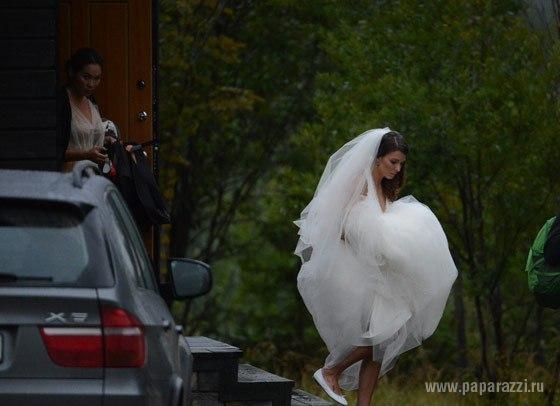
<point x="81" y="58"/>
<point x="392" y="141"/>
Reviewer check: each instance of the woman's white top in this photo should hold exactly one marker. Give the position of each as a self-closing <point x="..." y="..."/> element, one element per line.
<point x="85" y="134"/>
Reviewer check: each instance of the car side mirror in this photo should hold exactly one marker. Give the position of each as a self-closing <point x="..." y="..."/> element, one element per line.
<point x="189" y="278"/>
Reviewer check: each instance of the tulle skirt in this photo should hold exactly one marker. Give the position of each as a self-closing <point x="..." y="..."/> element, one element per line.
<point x="384" y="284"/>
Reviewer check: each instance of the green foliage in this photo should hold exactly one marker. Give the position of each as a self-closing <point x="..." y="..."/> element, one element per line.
<point x="257" y="95"/>
<point x="219" y="145"/>
<point x="471" y="86"/>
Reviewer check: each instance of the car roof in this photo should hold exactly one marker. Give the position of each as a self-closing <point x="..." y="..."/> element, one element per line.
<point x="73" y="187"/>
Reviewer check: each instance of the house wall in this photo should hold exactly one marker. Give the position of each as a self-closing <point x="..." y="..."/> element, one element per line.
<point x="28" y="84"/>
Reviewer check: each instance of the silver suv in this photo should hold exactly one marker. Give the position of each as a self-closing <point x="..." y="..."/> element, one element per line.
<point x="82" y="321"/>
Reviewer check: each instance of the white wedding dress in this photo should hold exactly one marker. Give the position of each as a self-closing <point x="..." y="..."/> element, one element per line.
<point x="370" y="278"/>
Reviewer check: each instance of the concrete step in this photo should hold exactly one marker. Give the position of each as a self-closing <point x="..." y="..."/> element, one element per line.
<point x="219" y="380"/>
<point x="215" y="364"/>
<point x="301" y="398"/>
<point x="205" y="399"/>
<point x="211" y="399"/>
<point x="255" y="384"/>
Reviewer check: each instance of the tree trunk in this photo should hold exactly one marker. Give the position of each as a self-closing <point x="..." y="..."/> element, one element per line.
<point x="539" y="355"/>
<point x="496" y="313"/>
<point x="483" y="341"/>
<point x="459" y="311"/>
<point x="552" y="392"/>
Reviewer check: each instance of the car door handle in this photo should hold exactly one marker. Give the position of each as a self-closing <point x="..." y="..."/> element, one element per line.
<point x="166" y="324"/>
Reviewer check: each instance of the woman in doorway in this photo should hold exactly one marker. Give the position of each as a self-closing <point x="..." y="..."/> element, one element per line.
<point x="376" y="271"/>
<point x="81" y="130"/>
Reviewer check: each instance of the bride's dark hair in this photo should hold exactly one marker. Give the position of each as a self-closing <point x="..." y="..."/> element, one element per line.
<point x="393" y="141"/>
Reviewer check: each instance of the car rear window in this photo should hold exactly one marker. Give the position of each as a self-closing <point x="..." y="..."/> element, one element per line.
<point x="43" y="244"/>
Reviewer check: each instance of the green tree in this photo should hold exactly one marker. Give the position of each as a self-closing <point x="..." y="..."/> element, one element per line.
<point x="470" y="85"/>
<point x="257" y="95"/>
<point x="237" y="79"/>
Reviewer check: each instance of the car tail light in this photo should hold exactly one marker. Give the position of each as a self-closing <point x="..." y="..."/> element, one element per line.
<point x="74" y="346"/>
<point x="118" y="343"/>
<point x="125" y="345"/>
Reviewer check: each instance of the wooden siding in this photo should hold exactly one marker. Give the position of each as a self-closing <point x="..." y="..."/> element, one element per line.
<point x="28" y="84"/>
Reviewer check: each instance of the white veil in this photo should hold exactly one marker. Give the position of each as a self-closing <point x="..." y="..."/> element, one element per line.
<point x="344" y="180"/>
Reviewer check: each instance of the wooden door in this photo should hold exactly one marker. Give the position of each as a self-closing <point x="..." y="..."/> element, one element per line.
<point x="121" y="31"/>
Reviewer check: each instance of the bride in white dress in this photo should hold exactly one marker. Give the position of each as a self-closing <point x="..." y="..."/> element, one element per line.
<point x="376" y="271"/>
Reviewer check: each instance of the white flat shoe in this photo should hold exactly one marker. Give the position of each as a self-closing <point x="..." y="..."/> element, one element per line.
<point x="318" y="376"/>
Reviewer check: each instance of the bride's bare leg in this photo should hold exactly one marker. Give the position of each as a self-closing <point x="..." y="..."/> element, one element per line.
<point x="332" y="374"/>
<point x="369" y="372"/>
